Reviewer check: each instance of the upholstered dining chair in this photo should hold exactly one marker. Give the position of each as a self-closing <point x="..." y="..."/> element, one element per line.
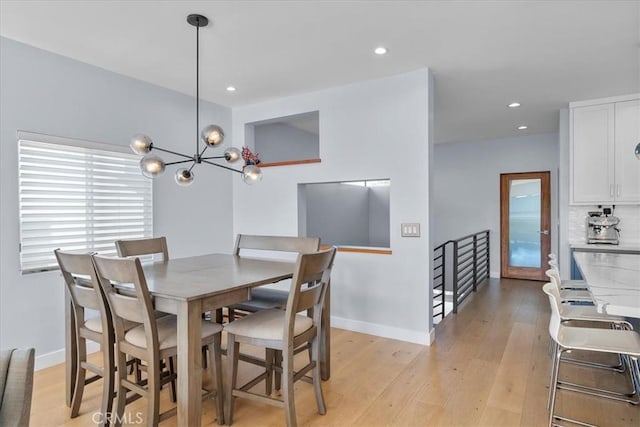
<point x="80" y="279"/>
<point x="138" y="247"/>
<point x="593" y="340"/>
<point x="152" y="341"/>
<point x="283" y="331"/>
<point x="263" y="297"/>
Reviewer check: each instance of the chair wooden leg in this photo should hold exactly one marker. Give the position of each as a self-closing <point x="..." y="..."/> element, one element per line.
<point x="107" y="383"/>
<point x="172" y="385"/>
<point x="81" y="373"/>
<point x="137" y="371"/>
<point x="277" y="377"/>
<point x="121" y="397"/>
<point x="287" y="387"/>
<point x="153" y="390"/>
<point x="268" y="365"/>
<point x="232" y="375"/>
<point x="216" y="363"/>
<point x="317" y="387"/>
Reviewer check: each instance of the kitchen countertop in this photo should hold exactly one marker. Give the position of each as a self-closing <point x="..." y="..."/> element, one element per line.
<point x="613" y="280"/>
<point x="628" y="248"/>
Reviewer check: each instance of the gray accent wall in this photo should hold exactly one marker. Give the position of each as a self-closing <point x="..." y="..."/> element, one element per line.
<point x="51" y="94"/>
<point x="379" y="223"/>
<point x="467" y="185"/>
<point x="278" y="142"/>
<point x="346" y="215"/>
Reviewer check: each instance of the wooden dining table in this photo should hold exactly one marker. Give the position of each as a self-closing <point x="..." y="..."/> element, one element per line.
<point x="188" y="287"/>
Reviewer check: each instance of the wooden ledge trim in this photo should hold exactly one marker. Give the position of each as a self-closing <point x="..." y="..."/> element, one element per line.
<point x="289" y="163"/>
<point x="360" y="250"/>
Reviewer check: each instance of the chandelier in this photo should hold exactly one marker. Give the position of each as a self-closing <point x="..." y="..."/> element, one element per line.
<point x="212" y="135"/>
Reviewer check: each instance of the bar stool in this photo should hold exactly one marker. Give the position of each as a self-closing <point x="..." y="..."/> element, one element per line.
<point x="567" y="338"/>
<point x="80" y="278"/>
<point x="152" y="341"/>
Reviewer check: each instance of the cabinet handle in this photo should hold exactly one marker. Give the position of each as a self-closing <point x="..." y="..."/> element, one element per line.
<point x="611" y="190"/>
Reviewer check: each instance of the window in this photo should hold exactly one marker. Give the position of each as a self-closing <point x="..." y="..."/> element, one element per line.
<point x="78" y="195"/>
<point x="347" y="213"/>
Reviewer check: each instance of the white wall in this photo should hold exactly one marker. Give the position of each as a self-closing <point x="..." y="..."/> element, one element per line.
<point x="47" y="93"/>
<point x="368" y="130"/>
<point x="467" y="185"/>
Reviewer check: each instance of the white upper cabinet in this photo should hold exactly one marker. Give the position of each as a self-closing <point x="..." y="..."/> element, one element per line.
<point x="603" y="167"/>
<point x="627" y="166"/>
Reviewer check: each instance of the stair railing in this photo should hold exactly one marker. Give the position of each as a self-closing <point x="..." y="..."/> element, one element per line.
<point x="470" y="267"/>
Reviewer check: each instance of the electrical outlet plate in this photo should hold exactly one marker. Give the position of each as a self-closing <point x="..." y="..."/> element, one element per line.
<point x="410" y="229"/>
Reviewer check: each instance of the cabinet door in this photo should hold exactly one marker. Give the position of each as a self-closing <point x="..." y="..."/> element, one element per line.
<point x="627" y="166"/>
<point x="591" y="163"/>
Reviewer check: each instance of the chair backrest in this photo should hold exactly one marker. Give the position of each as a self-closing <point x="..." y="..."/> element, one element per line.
<point x="134" y="306"/>
<point x="277" y="243"/>
<point x="554" y="302"/>
<point x="309" y="285"/>
<point x="16" y="386"/>
<point x="137" y="247"/>
<point x="554" y="276"/>
<point x="80" y="278"/>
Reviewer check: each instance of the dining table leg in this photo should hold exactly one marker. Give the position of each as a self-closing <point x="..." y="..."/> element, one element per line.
<point x="189" y="362"/>
<point x="70" y="346"/>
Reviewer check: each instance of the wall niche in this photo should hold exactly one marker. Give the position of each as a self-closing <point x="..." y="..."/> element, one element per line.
<point x="285" y="140"/>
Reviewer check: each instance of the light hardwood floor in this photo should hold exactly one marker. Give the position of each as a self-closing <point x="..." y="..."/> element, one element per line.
<point x="489" y="366"/>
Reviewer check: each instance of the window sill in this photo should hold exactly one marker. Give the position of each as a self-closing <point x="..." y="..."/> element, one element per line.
<point x="360" y="249"/>
<point x="289" y="163"/>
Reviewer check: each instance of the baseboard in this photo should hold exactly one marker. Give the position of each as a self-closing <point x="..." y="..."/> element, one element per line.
<point x="494" y="274"/>
<point x="57" y="357"/>
<point x="384" y="330"/>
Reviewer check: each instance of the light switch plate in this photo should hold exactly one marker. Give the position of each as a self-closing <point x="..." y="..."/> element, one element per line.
<point x="410" y="229"/>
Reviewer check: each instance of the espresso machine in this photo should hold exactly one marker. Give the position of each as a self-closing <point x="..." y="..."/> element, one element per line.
<point x="602" y="227"/>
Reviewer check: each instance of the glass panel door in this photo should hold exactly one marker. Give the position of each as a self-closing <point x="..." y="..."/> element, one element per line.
<point x="525" y="224"/>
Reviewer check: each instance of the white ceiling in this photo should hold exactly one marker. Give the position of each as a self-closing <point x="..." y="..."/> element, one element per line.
<point x="484" y="54"/>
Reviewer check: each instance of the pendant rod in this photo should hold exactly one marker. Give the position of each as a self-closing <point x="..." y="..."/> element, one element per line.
<point x="197" y="89"/>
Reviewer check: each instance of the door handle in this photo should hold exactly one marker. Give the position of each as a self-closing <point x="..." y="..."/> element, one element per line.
<point x="546" y="232"/>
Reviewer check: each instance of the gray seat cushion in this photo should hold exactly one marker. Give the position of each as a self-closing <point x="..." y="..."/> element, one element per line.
<point x="267" y="325"/>
<point x="167" y="333"/>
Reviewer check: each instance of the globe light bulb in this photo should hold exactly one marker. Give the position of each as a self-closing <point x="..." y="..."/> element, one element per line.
<point x="232" y="154"/>
<point x="212" y="135"/>
<point x="184" y="177"/>
<point x="251" y="174"/>
<point x="151" y="166"/>
<point x="140" y="144"/>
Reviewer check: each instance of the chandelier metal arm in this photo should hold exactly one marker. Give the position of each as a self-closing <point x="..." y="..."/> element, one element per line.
<point x="221" y="166"/>
<point x="179" y="162"/>
<point x="212" y="135"/>
<point x="172" y="152"/>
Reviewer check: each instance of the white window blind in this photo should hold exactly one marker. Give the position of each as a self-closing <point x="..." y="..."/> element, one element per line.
<point x="78" y="195"/>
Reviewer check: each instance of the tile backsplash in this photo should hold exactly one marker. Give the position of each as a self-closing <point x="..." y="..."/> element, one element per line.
<point x="629" y="223"/>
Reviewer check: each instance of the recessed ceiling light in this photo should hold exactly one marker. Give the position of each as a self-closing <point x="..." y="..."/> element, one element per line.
<point x="231" y="88"/>
<point x="514" y="105"/>
<point x="523" y="127"/>
<point x="381" y="50"/>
